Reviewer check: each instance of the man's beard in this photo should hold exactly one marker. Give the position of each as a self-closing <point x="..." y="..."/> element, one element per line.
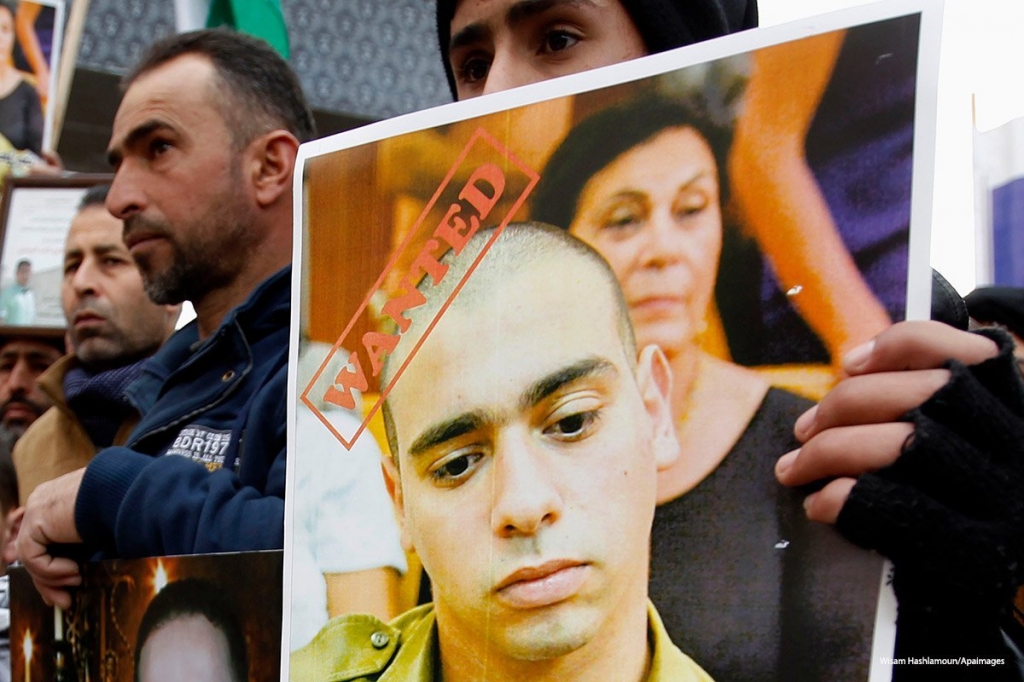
<point x="17" y="428"/>
<point x="197" y="266"/>
<point x="182" y="281"/>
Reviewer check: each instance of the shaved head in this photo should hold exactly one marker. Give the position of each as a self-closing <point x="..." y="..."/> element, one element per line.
<point x="521" y="246"/>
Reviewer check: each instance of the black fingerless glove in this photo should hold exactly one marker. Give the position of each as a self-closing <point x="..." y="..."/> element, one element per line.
<point x="949" y="514"/>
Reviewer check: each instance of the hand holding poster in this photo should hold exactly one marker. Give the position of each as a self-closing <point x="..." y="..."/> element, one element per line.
<point x="636" y="162"/>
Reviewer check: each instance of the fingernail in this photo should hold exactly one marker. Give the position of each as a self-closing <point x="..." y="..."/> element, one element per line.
<point x="809" y="500"/>
<point x="784" y="463"/>
<point x="858" y="357"/>
<point x="804" y="423"/>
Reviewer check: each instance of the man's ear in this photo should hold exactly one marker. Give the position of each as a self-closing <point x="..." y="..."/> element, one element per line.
<point x="270" y="164"/>
<point x="654" y="378"/>
<point x="393" y="482"/>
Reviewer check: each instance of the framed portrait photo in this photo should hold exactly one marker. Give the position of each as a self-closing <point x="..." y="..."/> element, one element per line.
<point x="35" y="216"/>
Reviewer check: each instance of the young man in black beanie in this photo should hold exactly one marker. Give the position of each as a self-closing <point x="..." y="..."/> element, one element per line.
<point x="920" y="447"/>
<point x="487" y="46"/>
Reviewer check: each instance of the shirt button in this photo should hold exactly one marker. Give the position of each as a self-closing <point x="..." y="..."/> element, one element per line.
<point x="379" y="640"/>
<point x="228" y="375"/>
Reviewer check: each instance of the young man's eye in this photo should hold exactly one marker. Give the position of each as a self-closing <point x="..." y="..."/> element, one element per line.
<point x="558" y="40"/>
<point x="456" y="469"/>
<point x="473" y="69"/>
<point x="573" y="426"/>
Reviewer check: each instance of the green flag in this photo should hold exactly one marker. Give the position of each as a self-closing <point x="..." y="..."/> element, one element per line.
<point x="260" y="18"/>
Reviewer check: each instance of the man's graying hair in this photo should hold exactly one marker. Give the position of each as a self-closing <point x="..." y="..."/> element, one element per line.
<point x="259" y="92"/>
<point x="518" y="246"/>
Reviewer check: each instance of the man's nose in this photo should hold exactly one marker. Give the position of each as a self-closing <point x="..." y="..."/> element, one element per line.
<point x="125" y="197"/>
<point x="21" y="379"/>
<point x="84" y="280"/>
<point x="507" y="72"/>
<point x="526" y="496"/>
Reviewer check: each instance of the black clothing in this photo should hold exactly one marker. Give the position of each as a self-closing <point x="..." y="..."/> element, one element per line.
<point x="21" y="118"/>
<point x="949" y="513"/>
<point x="746" y="584"/>
<point x="998" y="305"/>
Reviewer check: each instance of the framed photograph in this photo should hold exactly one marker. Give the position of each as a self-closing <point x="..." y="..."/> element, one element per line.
<point x="35" y="216"/>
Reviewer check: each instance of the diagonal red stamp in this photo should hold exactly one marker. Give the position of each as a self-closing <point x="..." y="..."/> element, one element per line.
<point x="418" y="258"/>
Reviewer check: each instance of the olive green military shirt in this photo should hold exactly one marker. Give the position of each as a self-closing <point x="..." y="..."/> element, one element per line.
<point x="361" y="648"/>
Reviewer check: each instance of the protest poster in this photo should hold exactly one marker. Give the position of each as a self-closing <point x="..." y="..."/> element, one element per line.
<point x="794" y="167"/>
<point x="133" y="613"/>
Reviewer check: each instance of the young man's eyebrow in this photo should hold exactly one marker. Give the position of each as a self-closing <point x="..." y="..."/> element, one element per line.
<point x="468" y="35"/>
<point x="525" y="9"/>
<point x="469" y="422"/>
<point x="561" y="378"/>
<point x="516" y="14"/>
<point x="446" y="431"/>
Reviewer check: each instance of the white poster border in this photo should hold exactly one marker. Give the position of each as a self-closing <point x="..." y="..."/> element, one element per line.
<point x="919" y="277"/>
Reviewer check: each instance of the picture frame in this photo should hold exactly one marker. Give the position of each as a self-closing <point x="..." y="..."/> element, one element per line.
<point x="35" y="215"/>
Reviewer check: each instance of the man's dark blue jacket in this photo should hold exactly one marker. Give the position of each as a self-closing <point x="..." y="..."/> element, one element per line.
<point x="204" y="471"/>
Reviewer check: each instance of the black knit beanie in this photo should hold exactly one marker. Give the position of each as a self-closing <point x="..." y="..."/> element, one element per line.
<point x="999" y="305"/>
<point x="663" y="24"/>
